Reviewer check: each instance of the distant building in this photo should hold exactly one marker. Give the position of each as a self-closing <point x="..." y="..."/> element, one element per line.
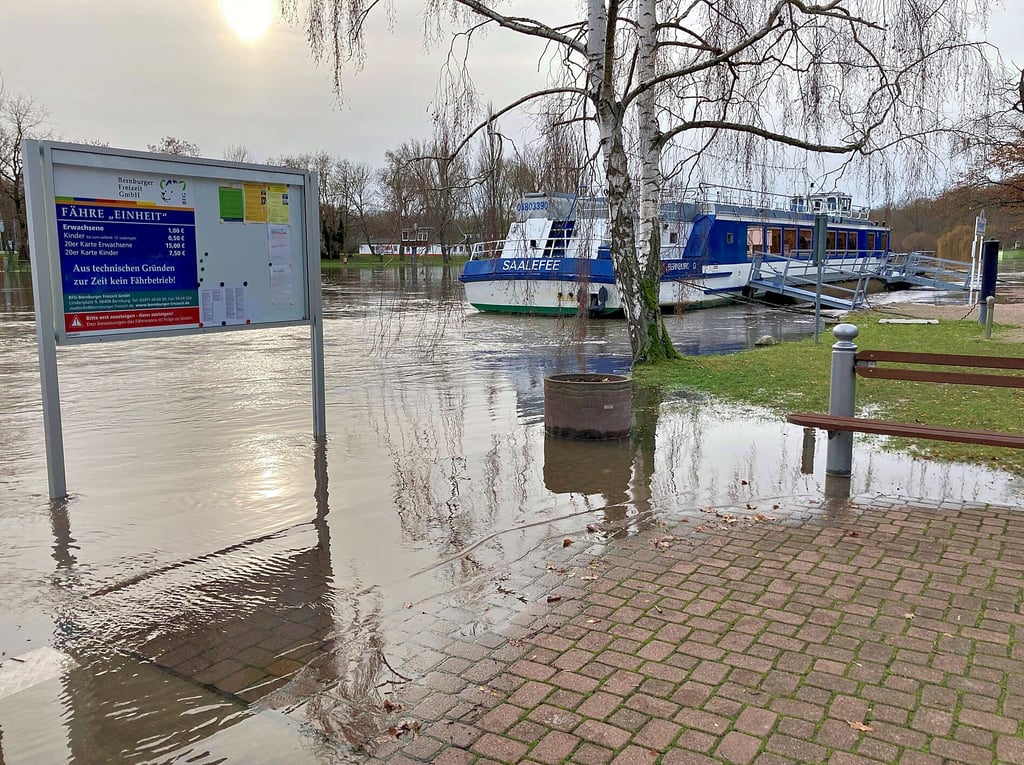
<point x="431" y="250"/>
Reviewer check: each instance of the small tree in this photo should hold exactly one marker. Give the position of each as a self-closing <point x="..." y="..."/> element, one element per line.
<point x="171" y="145"/>
<point x="21" y="118"/>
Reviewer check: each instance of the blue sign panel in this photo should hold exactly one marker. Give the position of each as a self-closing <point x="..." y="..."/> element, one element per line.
<point x="126" y="258"/>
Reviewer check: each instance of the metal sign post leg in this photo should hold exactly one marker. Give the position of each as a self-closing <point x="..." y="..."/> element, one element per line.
<point x="46" y="339"/>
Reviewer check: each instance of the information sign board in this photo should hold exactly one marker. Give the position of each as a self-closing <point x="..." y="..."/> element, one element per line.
<point x="129" y="245"/>
<point x="144" y="244"/>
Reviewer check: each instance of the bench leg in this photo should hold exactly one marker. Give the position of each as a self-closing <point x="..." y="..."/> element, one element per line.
<point x="839" y="455"/>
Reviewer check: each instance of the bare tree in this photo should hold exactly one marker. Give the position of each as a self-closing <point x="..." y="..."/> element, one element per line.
<point x="333" y="214"/>
<point x="357" y="193"/>
<point x="21" y="118"/>
<point x="171" y="145"/>
<point x="401" y="203"/>
<point x="999" y="173"/>
<point x="238" y="153"/>
<point x="853" y="78"/>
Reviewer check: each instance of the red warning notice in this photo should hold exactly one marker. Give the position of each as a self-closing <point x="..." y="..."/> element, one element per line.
<point x="100" y="321"/>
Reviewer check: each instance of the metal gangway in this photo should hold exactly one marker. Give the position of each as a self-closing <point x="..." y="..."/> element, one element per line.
<point x="924" y="269"/>
<point x="796" y="277"/>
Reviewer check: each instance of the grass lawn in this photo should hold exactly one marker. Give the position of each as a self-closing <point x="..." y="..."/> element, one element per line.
<point x="791" y="377"/>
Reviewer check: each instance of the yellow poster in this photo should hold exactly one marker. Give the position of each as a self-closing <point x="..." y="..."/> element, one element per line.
<point x="255" y="202"/>
<point x="277" y="203"/>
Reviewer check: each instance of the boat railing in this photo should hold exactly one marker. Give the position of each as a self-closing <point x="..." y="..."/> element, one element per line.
<point x="558" y="246"/>
<point x="708" y="197"/>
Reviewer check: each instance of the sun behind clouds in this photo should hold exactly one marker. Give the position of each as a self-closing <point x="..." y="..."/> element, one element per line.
<point x="248" y="19"/>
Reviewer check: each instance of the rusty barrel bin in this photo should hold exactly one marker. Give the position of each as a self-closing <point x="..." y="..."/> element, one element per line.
<point x="587" y="406"/>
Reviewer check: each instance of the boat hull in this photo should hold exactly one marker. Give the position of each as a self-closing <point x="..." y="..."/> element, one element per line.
<point x="546" y="286"/>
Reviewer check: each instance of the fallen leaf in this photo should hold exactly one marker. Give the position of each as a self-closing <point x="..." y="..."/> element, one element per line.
<point x="554" y="598"/>
<point x="859" y="726"/>
<point x="853" y="534"/>
<point x="390" y="706"/>
<point x="775" y="507"/>
<point x="407" y="604"/>
<point x="566" y="542"/>
<point x="593" y="527"/>
<point x="591" y="578"/>
<point x="743" y="483"/>
<point x="908" y="616"/>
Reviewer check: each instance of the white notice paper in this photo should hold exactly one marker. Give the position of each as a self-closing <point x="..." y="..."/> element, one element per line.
<point x="221" y="306"/>
<point x="281" y="289"/>
<point x="280" y="246"/>
<point x="211" y="306"/>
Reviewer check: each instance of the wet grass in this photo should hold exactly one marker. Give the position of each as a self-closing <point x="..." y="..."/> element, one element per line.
<point x="791" y="377"/>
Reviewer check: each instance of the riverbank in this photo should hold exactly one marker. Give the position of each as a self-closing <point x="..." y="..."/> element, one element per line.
<point x="1009" y="313"/>
<point x="794" y="376"/>
<point x="385" y="261"/>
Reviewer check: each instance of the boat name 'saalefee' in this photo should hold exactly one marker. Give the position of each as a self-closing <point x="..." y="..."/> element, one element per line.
<point x="547" y="264"/>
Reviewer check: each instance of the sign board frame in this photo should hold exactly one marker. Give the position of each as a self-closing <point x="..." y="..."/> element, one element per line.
<point x="126" y="245"/>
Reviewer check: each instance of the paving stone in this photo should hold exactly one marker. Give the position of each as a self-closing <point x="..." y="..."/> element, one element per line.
<point x="738" y="748"/>
<point x="499" y="748"/>
<point x="554" y="748"/>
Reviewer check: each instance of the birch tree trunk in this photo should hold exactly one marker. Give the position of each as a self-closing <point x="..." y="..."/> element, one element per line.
<point x="636" y="273"/>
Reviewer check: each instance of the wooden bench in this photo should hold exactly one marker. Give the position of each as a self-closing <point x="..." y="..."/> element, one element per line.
<point x="866" y="364"/>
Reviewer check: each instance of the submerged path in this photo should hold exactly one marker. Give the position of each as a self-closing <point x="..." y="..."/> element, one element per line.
<point x="878" y="631"/>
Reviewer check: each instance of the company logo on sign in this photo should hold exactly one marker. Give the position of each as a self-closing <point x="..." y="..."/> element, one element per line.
<point x="173" y="190"/>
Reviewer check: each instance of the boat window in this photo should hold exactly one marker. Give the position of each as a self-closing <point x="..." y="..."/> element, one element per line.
<point x="805" y="237"/>
<point x="851" y="242"/>
<point x="830" y="241"/>
<point x="729" y="238"/>
<point x="871" y="240"/>
<point x="840" y="240"/>
<point x="673" y="237"/>
<point x="775" y="241"/>
<point x="755" y="240"/>
<point x="885" y="243"/>
<point x="790" y="239"/>
<point x="845" y="204"/>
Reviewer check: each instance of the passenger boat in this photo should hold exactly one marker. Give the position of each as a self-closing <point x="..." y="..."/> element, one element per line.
<point x="556" y="257"/>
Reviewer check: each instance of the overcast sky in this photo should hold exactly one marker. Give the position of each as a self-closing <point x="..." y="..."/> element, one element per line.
<point x="128" y="72"/>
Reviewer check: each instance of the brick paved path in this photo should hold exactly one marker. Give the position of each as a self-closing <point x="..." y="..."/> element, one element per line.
<point x="880" y="634"/>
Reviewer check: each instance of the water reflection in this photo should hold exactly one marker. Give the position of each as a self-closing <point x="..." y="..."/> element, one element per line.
<point x="204" y="579"/>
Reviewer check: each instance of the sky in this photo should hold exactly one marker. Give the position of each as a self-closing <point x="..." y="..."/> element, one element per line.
<point x="129" y="72"/>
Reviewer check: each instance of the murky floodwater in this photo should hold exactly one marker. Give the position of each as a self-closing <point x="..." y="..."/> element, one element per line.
<point x="210" y="556"/>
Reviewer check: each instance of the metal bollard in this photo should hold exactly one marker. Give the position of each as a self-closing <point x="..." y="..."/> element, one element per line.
<point x="839" y="455"/>
<point x="990" y="308"/>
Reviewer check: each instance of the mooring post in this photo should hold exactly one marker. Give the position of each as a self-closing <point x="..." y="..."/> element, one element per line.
<point x="989" y="272"/>
<point x="990" y="309"/>
<point x="839" y="455"/>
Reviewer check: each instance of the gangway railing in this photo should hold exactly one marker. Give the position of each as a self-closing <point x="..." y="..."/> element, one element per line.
<point x="796" y="277"/>
<point x="924" y="269"/>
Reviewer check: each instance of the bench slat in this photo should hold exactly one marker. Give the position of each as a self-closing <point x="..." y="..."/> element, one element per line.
<point x="906" y="429"/>
<point x="943" y="359"/>
<point x="924" y="375"/>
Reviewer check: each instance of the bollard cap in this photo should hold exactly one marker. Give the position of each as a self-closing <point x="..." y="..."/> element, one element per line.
<point x="845" y="332"/>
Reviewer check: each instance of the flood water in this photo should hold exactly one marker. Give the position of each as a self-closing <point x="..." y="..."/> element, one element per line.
<point x="210" y="555"/>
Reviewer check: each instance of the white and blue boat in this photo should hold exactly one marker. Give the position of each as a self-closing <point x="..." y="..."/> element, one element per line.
<point x="715" y="243"/>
